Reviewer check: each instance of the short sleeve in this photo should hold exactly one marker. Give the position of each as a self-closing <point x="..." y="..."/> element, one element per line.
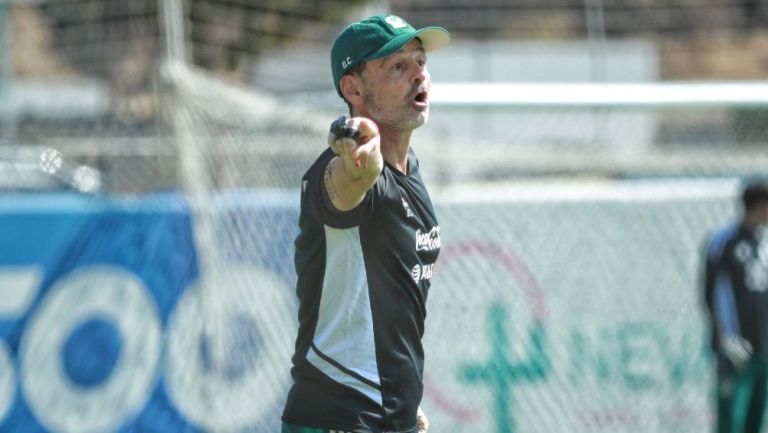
<point x="317" y="204"/>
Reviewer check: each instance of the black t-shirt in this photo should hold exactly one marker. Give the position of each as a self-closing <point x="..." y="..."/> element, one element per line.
<point x="736" y="285"/>
<point x="363" y="279"/>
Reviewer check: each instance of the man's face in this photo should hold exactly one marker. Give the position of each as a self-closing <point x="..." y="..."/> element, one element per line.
<point x="396" y="88"/>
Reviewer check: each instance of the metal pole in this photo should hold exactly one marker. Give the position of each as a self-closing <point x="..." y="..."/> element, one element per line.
<point x="195" y="179"/>
<point x="595" y="17"/>
<point x="173" y="24"/>
<point x="192" y="170"/>
<point x="7" y="75"/>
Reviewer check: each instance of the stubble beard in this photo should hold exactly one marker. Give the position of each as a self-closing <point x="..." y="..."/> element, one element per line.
<point x="405" y="117"/>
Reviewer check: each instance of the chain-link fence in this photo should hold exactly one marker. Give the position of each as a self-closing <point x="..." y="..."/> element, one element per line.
<point x="566" y="295"/>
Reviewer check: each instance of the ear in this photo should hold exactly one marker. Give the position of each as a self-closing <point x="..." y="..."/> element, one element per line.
<point x="350" y="85"/>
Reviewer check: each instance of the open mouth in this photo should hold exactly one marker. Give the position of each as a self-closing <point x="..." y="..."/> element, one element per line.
<point x="421" y="98"/>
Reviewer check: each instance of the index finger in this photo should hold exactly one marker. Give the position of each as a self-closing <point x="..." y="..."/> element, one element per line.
<point x="343" y="127"/>
<point x="367" y="128"/>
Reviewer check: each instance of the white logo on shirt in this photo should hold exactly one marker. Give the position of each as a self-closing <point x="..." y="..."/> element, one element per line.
<point x="755" y="265"/>
<point x="422" y="272"/>
<point x="408" y="212"/>
<point x="428" y="241"/>
<point x="756" y="276"/>
<point x="743" y="252"/>
<point x="757" y="269"/>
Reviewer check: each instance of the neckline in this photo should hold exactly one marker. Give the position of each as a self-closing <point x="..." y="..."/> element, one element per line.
<point x="410" y="168"/>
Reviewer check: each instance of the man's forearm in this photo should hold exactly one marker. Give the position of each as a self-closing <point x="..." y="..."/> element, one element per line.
<point x="346" y="189"/>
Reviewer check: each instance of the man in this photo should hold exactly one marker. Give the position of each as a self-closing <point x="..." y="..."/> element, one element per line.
<point x="369" y="239"/>
<point x="736" y="296"/>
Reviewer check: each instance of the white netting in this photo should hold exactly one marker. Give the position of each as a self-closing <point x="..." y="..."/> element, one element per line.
<point x="564" y="304"/>
<point x="572" y="306"/>
<point x="566" y="295"/>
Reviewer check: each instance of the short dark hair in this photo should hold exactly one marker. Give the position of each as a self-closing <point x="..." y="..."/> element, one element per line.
<point x="754" y="193"/>
<point x="356" y="69"/>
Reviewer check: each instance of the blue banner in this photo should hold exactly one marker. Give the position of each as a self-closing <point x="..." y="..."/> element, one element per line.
<point x="103" y="313"/>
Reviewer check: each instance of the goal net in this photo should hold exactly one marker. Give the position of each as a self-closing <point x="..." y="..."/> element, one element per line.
<point x="567" y="294"/>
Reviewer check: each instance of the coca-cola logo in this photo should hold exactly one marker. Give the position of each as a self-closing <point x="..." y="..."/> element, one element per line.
<point x="428" y="241"/>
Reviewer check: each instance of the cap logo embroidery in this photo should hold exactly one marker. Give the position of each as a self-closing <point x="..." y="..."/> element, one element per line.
<point x="346" y="62"/>
<point x="395" y="22"/>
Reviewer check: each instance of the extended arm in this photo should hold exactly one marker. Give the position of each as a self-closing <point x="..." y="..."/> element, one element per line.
<point x="357" y="165"/>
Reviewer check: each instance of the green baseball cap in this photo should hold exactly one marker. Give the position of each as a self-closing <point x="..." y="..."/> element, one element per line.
<point x="376" y="37"/>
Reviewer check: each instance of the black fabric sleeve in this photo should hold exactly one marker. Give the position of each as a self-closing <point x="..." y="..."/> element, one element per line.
<point x="318" y="204"/>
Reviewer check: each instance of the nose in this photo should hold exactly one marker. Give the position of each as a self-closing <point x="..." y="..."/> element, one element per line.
<point x="421" y="74"/>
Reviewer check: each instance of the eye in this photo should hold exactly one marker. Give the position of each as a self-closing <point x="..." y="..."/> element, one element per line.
<point x="397" y="66"/>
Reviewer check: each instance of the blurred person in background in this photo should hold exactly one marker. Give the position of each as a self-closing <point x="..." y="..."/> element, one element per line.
<point x="736" y="299"/>
<point x="369" y="240"/>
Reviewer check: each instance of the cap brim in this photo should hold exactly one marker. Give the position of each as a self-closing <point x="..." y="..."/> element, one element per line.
<point x="432" y="38"/>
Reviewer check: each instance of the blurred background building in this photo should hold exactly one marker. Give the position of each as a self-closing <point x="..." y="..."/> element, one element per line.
<point x="85" y="78"/>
